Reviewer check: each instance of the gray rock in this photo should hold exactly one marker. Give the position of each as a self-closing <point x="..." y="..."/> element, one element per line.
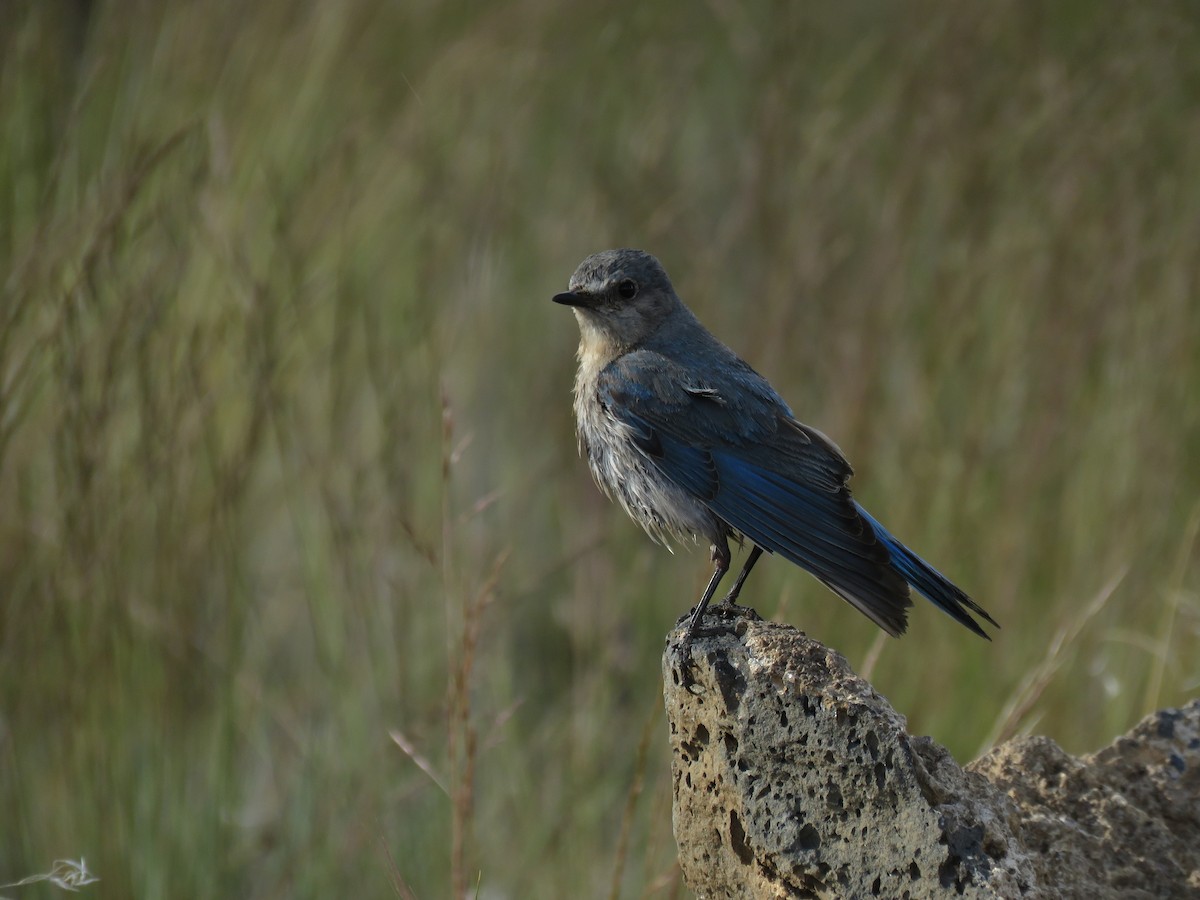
<point x="793" y="777"/>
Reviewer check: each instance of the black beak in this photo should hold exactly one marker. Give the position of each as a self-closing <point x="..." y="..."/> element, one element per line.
<point x="571" y="298"/>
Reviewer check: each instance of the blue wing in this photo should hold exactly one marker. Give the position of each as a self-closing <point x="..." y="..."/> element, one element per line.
<point x="732" y="443"/>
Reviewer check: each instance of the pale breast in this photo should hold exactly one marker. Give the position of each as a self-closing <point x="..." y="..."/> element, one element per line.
<point x="665" y="510"/>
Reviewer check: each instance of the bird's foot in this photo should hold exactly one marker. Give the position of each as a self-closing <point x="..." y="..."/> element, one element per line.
<point x="727" y="608"/>
<point x="722" y="618"/>
<point x="725" y="611"/>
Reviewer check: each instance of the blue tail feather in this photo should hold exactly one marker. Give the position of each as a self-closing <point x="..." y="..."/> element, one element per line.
<point x="939" y="589"/>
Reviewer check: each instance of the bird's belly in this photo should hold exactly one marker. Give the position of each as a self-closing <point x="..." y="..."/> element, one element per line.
<point x="665" y="510"/>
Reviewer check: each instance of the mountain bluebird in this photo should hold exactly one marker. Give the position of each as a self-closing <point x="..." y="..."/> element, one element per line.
<point x="694" y="444"/>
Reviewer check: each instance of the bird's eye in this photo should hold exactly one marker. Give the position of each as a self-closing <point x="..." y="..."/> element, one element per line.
<point x="627" y="289"/>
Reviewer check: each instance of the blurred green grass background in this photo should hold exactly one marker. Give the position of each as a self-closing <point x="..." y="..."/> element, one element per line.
<point x="288" y="476"/>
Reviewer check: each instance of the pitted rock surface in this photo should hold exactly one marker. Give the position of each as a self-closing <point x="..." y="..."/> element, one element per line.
<point x="1123" y="822"/>
<point x="793" y="777"/>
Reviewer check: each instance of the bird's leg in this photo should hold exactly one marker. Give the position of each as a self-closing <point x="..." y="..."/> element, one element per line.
<point x="720" y="558"/>
<point x="741" y="579"/>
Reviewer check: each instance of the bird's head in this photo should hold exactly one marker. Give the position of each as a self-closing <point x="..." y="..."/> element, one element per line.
<point x="620" y="298"/>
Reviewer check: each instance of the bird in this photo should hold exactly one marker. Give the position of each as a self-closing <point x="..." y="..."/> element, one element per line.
<point x="695" y="445"/>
